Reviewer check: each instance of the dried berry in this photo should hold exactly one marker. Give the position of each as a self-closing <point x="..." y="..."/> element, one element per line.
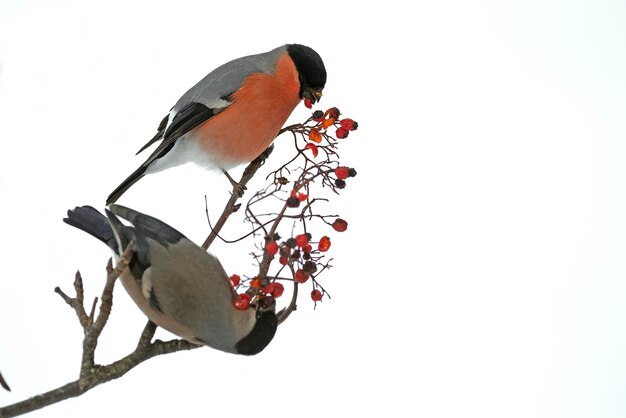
<point x="349" y="124"/>
<point x="313" y="149"/>
<point x="318" y="116"/>
<point x="340" y="225"/>
<point x="290" y="243"/>
<point x="293" y="202"/>
<point x="309" y="267"/>
<point x="352" y="172"/>
<point x="333" y="112"/>
<point x="340" y="184"/>
<point x="315" y="136"/>
<point x="341" y="132"/>
<point x="328" y="123"/>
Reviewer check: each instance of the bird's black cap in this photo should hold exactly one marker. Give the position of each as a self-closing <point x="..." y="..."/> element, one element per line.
<point x="310" y="66"/>
<point x="260" y="336"/>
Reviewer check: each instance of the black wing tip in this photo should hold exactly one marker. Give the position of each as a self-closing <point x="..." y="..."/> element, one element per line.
<point x="260" y="336"/>
<point x="126" y="184"/>
<point x="4" y="384"/>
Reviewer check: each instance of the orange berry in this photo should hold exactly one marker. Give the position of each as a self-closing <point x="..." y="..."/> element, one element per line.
<point x="315" y="136"/>
<point x="324" y="244"/>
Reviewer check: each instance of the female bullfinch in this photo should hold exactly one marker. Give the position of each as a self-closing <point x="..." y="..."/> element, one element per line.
<point x="234" y="113"/>
<point x="178" y="285"/>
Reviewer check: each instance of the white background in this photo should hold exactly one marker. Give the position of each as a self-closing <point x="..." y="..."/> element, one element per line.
<point x="483" y="271"/>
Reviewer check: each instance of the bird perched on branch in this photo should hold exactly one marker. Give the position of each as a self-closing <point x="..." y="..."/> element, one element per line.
<point x="178" y="285"/>
<point x="234" y="113"/>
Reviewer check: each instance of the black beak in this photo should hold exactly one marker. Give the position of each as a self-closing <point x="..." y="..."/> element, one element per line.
<point x="314" y="95"/>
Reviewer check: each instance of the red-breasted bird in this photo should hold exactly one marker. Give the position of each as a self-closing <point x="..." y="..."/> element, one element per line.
<point x="178" y="285"/>
<point x="234" y="113"/>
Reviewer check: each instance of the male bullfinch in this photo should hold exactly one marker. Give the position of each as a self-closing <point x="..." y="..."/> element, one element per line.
<point x="178" y="285"/>
<point x="234" y="113"/>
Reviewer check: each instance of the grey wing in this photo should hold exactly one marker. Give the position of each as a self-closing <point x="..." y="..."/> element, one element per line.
<point x="214" y="90"/>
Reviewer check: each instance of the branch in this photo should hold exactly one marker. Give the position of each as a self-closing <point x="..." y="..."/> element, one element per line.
<point x="230" y="207"/>
<point x="91" y="374"/>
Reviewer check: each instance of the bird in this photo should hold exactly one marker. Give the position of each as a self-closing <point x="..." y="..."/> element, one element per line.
<point x="178" y="285"/>
<point x="234" y="113"/>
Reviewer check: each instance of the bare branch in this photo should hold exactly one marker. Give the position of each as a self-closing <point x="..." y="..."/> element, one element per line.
<point x="229" y="209"/>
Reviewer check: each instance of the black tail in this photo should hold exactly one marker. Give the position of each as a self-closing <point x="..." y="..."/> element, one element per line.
<point x="126" y="184"/>
<point x="4" y="384"/>
<point x="88" y="219"/>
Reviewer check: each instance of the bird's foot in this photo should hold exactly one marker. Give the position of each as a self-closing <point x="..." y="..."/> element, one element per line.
<point x="237" y="187"/>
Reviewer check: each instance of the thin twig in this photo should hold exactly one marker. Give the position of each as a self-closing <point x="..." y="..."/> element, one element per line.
<point x="229" y="209"/>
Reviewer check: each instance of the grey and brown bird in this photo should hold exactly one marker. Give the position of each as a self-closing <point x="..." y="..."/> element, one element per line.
<point x="177" y="284"/>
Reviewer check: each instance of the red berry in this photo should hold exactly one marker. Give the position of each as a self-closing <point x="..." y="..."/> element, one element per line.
<point x="302" y="240"/>
<point x="316" y="295"/>
<point x="342" y="172"/>
<point x="313" y="149"/>
<point x="235" y="279"/>
<point x="256" y="283"/>
<point x="308" y="103"/>
<point x="324" y="244"/>
<point x="274" y="289"/>
<point x="341" y="132"/>
<point x="271" y="248"/>
<point x="300" y="196"/>
<point x="301" y="276"/>
<point x="307" y="248"/>
<point x="283" y="260"/>
<point x="278" y="290"/>
<point x="269" y="288"/>
<point x="349" y="124"/>
<point x="242" y="301"/>
<point x="340" y="225"/>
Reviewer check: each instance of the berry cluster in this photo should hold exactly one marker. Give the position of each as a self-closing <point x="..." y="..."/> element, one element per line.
<point x="298" y="259"/>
